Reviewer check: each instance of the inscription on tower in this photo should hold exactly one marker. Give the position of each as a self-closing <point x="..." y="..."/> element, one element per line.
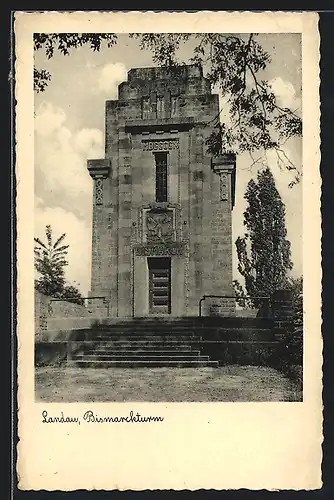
<point x="160" y="144"/>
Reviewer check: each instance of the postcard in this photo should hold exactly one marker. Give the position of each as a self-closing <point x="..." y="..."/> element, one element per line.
<point x="168" y="250"/>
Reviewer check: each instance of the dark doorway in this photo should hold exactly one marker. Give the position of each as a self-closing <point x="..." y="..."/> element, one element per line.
<point x="159" y="285"/>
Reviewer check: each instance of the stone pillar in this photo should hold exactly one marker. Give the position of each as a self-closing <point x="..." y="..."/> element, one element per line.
<point x="124" y="224"/>
<point x="282" y="311"/>
<point x="99" y="170"/>
<point x="221" y="237"/>
<point x="282" y="305"/>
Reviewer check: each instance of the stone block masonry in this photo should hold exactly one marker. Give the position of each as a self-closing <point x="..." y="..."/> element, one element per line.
<point x="60" y="315"/>
<point x="162" y="227"/>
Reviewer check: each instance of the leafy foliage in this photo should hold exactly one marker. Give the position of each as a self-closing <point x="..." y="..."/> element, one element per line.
<point x="50" y="261"/>
<point x="289" y="357"/>
<point x="296" y="287"/>
<point x="241" y="296"/>
<point x="234" y="65"/>
<point x="41" y="79"/>
<point x="64" y="43"/>
<point x="264" y="252"/>
<point x="72" y="294"/>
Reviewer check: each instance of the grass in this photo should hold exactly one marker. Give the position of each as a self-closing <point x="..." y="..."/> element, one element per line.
<point x="225" y="384"/>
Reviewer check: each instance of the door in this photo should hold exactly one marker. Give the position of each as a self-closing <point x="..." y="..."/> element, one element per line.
<point x="159" y="285"/>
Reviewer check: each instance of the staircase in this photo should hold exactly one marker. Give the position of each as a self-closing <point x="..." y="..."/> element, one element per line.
<point x="172" y="342"/>
<point x="142" y="343"/>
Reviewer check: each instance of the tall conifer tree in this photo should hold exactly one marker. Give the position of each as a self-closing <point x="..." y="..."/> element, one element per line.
<point x="264" y="253"/>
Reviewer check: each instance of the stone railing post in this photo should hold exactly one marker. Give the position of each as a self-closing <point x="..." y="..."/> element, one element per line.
<point x="282" y="311"/>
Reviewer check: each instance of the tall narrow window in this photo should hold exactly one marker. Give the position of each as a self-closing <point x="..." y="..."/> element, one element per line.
<point x="160" y="176"/>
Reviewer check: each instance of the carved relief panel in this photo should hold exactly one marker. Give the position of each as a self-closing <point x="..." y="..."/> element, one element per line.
<point x="159" y="231"/>
<point x="224" y="186"/>
<point x="160" y="226"/>
<point x="99" y="191"/>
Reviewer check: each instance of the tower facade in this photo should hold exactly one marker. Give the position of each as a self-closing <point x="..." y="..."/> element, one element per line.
<point x="162" y="207"/>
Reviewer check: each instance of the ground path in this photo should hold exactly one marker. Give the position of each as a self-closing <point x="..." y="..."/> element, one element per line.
<point x="226" y="384"/>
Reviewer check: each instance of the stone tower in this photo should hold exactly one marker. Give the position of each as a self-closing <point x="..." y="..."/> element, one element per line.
<point x="162" y="231"/>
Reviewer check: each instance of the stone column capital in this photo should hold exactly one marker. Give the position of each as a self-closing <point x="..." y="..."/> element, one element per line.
<point x="99" y="169"/>
<point x="224" y="163"/>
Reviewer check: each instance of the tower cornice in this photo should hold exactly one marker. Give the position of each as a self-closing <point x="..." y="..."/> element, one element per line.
<point x="99" y="168"/>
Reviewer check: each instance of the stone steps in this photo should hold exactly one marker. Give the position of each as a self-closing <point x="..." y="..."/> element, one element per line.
<point x="173" y="332"/>
<point x="110" y="349"/>
<point x="153" y="342"/>
<point x="189" y="323"/>
<point x="147" y="338"/>
<point x="143" y="364"/>
<point x="139" y="357"/>
<point x="240" y="334"/>
<point x="140" y="352"/>
<point x="110" y="344"/>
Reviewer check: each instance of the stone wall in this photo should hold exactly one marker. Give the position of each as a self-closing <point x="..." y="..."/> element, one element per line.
<point x="65" y="309"/>
<point x="63" y="315"/>
<point x="219" y="306"/>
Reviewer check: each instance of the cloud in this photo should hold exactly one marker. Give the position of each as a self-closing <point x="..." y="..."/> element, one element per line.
<point x="285" y="93"/>
<point x="110" y="76"/>
<point x="89" y="142"/>
<point x="283" y="89"/>
<point x="48" y="119"/>
<point x="61" y="176"/>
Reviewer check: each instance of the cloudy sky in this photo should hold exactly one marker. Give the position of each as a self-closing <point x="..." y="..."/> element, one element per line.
<point x="69" y="129"/>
